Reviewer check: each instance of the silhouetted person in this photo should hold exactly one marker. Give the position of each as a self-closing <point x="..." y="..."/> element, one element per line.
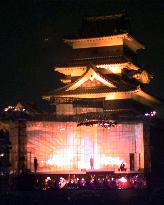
<point x="122" y="167"/>
<point x="92" y="163"/>
<point x="35" y="164"/>
<point x="23" y="164"/>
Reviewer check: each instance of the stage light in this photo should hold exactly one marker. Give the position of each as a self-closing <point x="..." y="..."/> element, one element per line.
<point x="123" y="180"/>
<point x="151" y="114"/>
<point x="2" y="155"/>
<point x="102" y="123"/>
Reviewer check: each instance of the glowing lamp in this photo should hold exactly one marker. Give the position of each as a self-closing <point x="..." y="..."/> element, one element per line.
<point x="123" y="180"/>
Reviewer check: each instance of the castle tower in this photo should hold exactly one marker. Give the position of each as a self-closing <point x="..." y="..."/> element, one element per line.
<point x="102" y="74"/>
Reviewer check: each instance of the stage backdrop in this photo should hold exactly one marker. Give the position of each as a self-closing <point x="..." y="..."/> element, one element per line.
<point x="64" y="147"/>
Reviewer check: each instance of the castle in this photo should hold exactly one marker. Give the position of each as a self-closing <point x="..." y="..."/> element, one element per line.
<point x="102" y="111"/>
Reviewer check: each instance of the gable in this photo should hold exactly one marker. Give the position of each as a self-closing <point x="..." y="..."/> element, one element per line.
<point x="90" y="75"/>
<point x="91" y="83"/>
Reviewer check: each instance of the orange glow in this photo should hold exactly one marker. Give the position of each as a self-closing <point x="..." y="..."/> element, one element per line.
<point x="119" y="95"/>
<point x="71" y="71"/>
<point x="117" y="68"/>
<point x="90" y="75"/>
<point x="96" y="42"/>
<point x="55" y="160"/>
<point x="114" y="68"/>
<point x="132" y="43"/>
<point x="62" y="146"/>
<point x="113" y="40"/>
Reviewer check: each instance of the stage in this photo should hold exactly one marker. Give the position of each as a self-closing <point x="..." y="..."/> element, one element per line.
<point x="89" y="172"/>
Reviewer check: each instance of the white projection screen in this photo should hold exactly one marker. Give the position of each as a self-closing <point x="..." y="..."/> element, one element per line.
<point x="63" y="147"/>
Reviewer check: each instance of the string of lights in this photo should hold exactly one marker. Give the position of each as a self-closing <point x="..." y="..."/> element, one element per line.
<point x="102" y="123"/>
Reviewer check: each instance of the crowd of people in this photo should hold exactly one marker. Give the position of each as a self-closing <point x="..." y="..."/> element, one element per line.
<point x="91" y="182"/>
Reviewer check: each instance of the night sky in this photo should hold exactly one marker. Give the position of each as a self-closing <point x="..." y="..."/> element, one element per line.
<point x="31" y="41"/>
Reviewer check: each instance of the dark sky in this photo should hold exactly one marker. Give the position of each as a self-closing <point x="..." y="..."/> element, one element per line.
<point x="31" y="33"/>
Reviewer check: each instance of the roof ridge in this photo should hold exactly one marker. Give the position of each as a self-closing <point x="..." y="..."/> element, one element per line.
<point x="98" y="57"/>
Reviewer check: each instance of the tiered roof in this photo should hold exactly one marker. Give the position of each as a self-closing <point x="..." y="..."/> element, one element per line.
<point x="104" y="25"/>
<point x="99" y="67"/>
<point x="94" y="60"/>
<point x="93" y="76"/>
<point x="114" y="40"/>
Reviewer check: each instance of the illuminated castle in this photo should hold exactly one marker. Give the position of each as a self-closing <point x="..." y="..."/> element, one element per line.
<point x="100" y="110"/>
<point x="102" y="99"/>
<point x="102" y="75"/>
